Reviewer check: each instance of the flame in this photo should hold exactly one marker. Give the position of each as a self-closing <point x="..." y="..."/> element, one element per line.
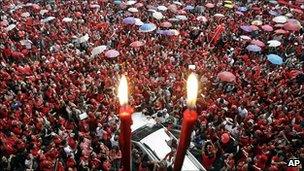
<point x="123" y="91"/>
<point x="192" y="90"/>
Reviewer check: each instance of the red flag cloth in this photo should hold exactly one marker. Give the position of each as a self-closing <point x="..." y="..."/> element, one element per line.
<point x="215" y="37"/>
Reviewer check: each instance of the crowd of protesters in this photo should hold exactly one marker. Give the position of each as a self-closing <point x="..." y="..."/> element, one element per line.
<point x="59" y="107"/>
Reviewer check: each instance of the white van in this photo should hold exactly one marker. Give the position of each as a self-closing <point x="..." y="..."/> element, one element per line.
<point x="152" y="139"/>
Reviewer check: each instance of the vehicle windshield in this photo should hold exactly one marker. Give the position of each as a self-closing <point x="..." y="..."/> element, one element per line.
<point x="144" y="131"/>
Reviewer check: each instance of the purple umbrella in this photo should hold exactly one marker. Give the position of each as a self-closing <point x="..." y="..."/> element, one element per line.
<point x="112" y="53"/>
<point x="246" y="28"/>
<point x="253" y="48"/>
<point x="129" y="20"/>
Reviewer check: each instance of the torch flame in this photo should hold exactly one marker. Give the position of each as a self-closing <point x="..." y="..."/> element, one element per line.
<point x="123" y="91"/>
<point x="192" y="90"/>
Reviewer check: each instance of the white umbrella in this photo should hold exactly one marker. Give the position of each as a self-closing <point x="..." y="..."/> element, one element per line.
<point x="162" y="8"/>
<point x="177" y="3"/>
<point x="244" y="37"/>
<point x="134" y="10"/>
<point x="10" y="27"/>
<point x="273" y="43"/>
<point x="138" y="22"/>
<point x="202" y="18"/>
<point x="42" y="12"/>
<point x="48" y="19"/>
<point x="131" y="2"/>
<point x="219" y="15"/>
<point x="152" y="10"/>
<point x="280" y="19"/>
<point x="84" y="38"/>
<point x="26" y="43"/>
<point x="181" y="17"/>
<point x="174" y="32"/>
<point x="67" y="19"/>
<point x="94" y="6"/>
<point x="25" y="14"/>
<point x="158" y="15"/>
<point x="98" y="50"/>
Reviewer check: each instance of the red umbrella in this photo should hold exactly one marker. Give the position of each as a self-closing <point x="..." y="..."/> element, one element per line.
<point x="254" y="27"/>
<point x="210" y="5"/>
<point x="292" y="25"/>
<point x="137" y="44"/>
<point x="166" y="24"/>
<point x="217" y="33"/>
<point x="258" y="43"/>
<point x="267" y="28"/>
<point x="280" y="31"/>
<point x="226" y="76"/>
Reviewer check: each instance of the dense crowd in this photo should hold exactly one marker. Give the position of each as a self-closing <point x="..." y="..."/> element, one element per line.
<point x="59" y="107"/>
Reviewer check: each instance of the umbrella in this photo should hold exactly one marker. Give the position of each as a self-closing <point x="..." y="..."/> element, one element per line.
<point x="254" y="27"/>
<point x="181" y="17"/>
<point x="243" y="9"/>
<point x="267" y="28"/>
<point x="84" y="38"/>
<point x="177" y="3"/>
<point x="137" y="44"/>
<point x="210" y="5"/>
<point x="138" y="22"/>
<point x="94" y="6"/>
<point x="98" y="50"/>
<point x="258" y="42"/>
<point x="112" y="53"/>
<point x="162" y="8"/>
<point x="280" y="31"/>
<point x="229" y="6"/>
<point x="219" y="15"/>
<point x="147" y="27"/>
<point x="245" y="37"/>
<point x="67" y="19"/>
<point x="131" y="2"/>
<point x="134" y="10"/>
<point x="10" y="27"/>
<point x="253" y="48"/>
<point x="129" y="20"/>
<point x="25" y="42"/>
<point x="257" y="22"/>
<point x="25" y="14"/>
<point x="189" y="7"/>
<point x="226" y="76"/>
<point x="274" y="13"/>
<point x="275" y="59"/>
<point x="292" y="25"/>
<point x="202" y="18"/>
<point x="48" y="19"/>
<point x="42" y="12"/>
<point x="158" y="15"/>
<point x="239" y="13"/>
<point x="280" y="19"/>
<point x="273" y="43"/>
<point x="166" y="24"/>
<point x="246" y="28"/>
<point x="117" y="2"/>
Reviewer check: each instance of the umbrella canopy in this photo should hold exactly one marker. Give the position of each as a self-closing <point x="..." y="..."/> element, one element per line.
<point x="112" y="53"/>
<point x="10" y="27"/>
<point x="257" y="22"/>
<point x="244" y="37"/>
<point x="189" y="7"/>
<point x="137" y="44"/>
<point x="177" y="3"/>
<point x="210" y="5"/>
<point x="254" y="27"/>
<point x="138" y="22"/>
<point x="280" y="19"/>
<point x="246" y="28"/>
<point x="48" y="19"/>
<point x="292" y="25"/>
<point x="84" y="38"/>
<point x="158" y="15"/>
<point x="267" y="28"/>
<point x="147" y="27"/>
<point x="273" y="43"/>
<point x="25" y="14"/>
<point x="219" y="15"/>
<point x="275" y="59"/>
<point x="280" y="31"/>
<point x="131" y="2"/>
<point x="229" y="6"/>
<point x="202" y="18"/>
<point x="243" y="9"/>
<point x="129" y="20"/>
<point x="226" y="76"/>
<point x="258" y="42"/>
<point x="181" y="17"/>
<point x="166" y="24"/>
<point x="98" y="50"/>
<point x="134" y="10"/>
<point x="117" y="2"/>
<point x="67" y="19"/>
<point x="162" y="8"/>
<point x="253" y="48"/>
